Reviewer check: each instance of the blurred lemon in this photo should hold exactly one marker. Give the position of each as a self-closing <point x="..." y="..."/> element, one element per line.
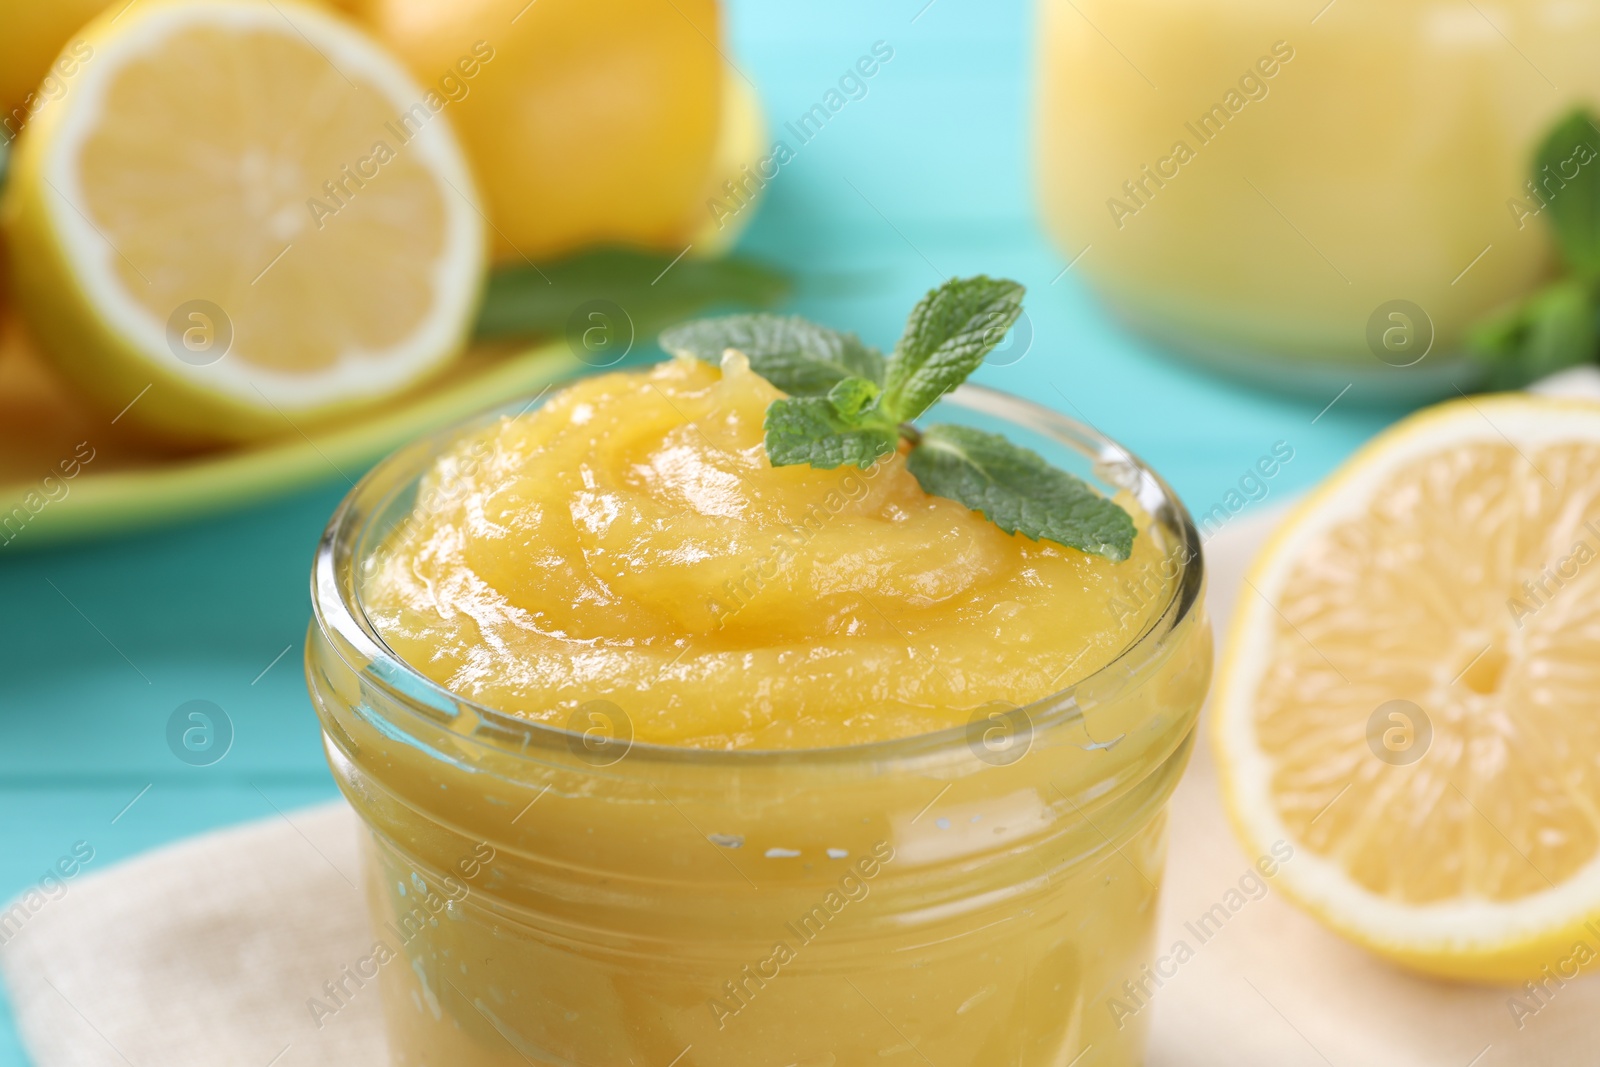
<point x="32" y="36"/>
<point x="1409" y="694"/>
<point x="738" y="158"/>
<point x="587" y="121"/>
<point x="241" y="216"/>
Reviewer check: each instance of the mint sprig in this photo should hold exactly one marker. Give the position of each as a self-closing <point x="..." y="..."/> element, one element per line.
<point x="814" y="430"/>
<point x="1558" y="326"/>
<point x="1019" y="490"/>
<point x="948" y="334"/>
<point x="847" y="406"/>
<point x="1563" y="167"/>
<point x="797" y="356"/>
<point x="1555" y="328"/>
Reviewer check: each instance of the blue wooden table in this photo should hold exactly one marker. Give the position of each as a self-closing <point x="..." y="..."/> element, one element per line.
<point x="928" y="175"/>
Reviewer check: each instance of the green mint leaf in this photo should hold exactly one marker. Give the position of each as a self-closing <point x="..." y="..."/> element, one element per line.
<point x="525" y="301"/>
<point x="1499" y="336"/>
<point x="799" y="357"/>
<point x="1552" y="330"/>
<point x="810" y="429"/>
<point x="947" y="336"/>
<point x="852" y="396"/>
<point x="1566" y="176"/>
<point x="1019" y="491"/>
<point x="846" y="408"/>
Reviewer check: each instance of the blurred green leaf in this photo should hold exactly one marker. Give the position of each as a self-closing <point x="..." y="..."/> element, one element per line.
<point x="1552" y="330"/>
<point x="1566" y="172"/>
<point x="652" y="289"/>
<point x="1557" y="327"/>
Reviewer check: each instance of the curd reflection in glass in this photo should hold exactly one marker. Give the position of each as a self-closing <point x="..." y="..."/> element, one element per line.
<point x="673" y="757"/>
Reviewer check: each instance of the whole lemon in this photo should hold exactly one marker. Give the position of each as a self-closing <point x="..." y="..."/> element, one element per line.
<point x="586" y="120"/>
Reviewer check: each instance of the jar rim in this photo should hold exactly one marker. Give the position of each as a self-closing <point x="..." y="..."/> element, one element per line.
<point x="339" y="615"/>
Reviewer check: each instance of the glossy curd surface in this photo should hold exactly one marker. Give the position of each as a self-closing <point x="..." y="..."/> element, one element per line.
<point x="629" y="542"/>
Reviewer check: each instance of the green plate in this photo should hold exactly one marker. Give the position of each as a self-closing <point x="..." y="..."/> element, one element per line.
<point x="125" y="485"/>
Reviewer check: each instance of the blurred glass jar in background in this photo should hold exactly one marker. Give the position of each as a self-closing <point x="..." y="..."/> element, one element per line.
<point x="1309" y="194"/>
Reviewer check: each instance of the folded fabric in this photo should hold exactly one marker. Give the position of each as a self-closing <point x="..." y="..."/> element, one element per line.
<point x="218" y="951"/>
<point x="204" y="954"/>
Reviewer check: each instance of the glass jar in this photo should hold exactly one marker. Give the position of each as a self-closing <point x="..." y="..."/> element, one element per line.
<point x="557" y="897"/>
<point x="1310" y="195"/>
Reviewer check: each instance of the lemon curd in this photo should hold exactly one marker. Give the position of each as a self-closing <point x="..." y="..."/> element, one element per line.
<point x="1252" y="182"/>
<point x="672" y="757"/>
<point x="630" y="542"/>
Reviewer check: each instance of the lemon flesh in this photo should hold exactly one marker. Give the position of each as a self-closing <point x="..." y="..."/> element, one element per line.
<point x="1410" y="691"/>
<point x="245" y="216"/>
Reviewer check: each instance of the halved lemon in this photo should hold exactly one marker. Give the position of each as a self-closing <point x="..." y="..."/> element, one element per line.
<point x="240" y="217"/>
<point x="1410" y="699"/>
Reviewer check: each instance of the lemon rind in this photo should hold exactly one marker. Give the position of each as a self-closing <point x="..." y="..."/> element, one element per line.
<point x="1479" y="938"/>
<point x="87" y="254"/>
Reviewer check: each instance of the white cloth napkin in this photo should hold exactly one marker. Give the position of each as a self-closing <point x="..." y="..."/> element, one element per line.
<point x="205" y="953"/>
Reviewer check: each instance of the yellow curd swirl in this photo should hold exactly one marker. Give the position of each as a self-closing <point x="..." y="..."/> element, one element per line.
<point x="628" y="541"/>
